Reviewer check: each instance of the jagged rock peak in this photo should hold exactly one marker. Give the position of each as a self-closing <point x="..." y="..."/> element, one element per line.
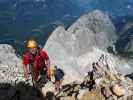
<point x="98" y="22"/>
<point x="75" y="49"/>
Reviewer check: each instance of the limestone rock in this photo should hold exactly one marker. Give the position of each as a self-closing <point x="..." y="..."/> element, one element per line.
<point x="93" y="95"/>
<point x="76" y="48"/>
<point x="130" y="97"/>
<point x="82" y="92"/>
<point x="49" y="87"/>
<point x="61" y="45"/>
<point x="96" y="21"/>
<point x="10" y="65"/>
<point x="67" y="98"/>
<point x="118" y="90"/>
<point x="106" y="92"/>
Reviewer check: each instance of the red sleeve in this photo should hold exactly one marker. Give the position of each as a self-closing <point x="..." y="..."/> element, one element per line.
<point x="44" y="55"/>
<point x="26" y="59"/>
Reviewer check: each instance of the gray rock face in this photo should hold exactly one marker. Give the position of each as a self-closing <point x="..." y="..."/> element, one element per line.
<point x="10" y="64"/>
<point x="61" y="52"/>
<point x="96" y="21"/>
<point x="94" y="29"/>
<point x="75" y="49"/>
<point x="130" y="46"/>
<point x="126" y="38"/>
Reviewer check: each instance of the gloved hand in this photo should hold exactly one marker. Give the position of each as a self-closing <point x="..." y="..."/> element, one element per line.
<point x="48" y="78"/>
<point x="26" y="75"/>
<point x="26" y="81"/>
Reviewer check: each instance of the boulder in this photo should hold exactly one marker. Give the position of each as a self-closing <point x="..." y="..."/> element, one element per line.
<point x="118" y="90"/>
<point x="106" y="92"/>
<point x="130" y="97"/>
<point x="68" y="98"/>
<point x="49" y="87"/>
<point x="82" y="92"/>
<point x="93" y="95"/>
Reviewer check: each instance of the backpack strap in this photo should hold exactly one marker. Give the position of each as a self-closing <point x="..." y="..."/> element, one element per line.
<point x="31" y="64"/>
<point x="38" y="53"/>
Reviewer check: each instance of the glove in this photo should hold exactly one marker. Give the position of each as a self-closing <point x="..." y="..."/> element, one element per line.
<point x="27" y="81"/>
<point x="48" y="78"/>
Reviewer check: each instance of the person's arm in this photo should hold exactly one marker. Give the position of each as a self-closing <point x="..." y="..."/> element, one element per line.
<point x="47" y="62"/>
<point x="25" y="68"/>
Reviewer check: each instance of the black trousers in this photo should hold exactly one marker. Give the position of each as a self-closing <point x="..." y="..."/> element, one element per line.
<point x="42" y="80"/>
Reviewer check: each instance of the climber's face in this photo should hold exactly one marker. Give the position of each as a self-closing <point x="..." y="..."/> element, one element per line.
<point x="32" y="50"/>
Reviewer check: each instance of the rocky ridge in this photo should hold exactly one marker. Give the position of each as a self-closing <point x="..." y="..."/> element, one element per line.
<point x="99" y="84"/>
<point x="82" y="44"/>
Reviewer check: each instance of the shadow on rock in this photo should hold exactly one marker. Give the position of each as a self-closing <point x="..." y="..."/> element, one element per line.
<point x="50" y="96"/>
<point x="130" y="76"/>
<point x="20" y="91"/>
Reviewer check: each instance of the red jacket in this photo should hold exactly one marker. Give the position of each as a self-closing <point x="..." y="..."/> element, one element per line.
<point x="37" y="62"/>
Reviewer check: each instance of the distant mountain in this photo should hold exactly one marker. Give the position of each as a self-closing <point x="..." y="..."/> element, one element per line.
<point x="25" y="15"/>
<point x="116" y="7"/>
<point x="121" y="21"/>
<point x="18" y="18"/>
<point x="125" y="42"/>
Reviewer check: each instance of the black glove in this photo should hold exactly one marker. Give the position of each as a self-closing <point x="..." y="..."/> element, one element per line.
<point x="48" y="78"/>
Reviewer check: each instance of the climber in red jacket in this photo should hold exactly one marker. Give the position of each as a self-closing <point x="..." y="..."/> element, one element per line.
<point x="36" y="61"/>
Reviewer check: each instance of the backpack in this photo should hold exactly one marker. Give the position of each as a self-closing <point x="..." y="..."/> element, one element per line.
<point x="61" y="72"/>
